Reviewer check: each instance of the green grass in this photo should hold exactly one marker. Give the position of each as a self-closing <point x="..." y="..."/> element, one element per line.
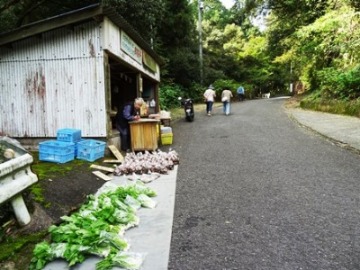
<point x="351" y="108"/>
<point x="46" y="170"/>
<point x="178" y="113"/>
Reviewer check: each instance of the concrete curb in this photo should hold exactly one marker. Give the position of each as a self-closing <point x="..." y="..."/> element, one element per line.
<point x="341" y="129"/>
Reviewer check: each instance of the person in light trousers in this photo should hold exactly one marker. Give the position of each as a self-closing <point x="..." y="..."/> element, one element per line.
<point x="209" y="96"/>
<point x="226" y="96"/>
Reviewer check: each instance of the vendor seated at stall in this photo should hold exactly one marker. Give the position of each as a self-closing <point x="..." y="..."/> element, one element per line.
<point x="129" y="112"/>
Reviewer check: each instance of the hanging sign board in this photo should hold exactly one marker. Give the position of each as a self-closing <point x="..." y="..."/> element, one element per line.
<point x="130" y="47"/>
<point x="149" y="62"/>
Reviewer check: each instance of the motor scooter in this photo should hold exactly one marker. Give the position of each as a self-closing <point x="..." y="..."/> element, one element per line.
<point x="188" y="108"/>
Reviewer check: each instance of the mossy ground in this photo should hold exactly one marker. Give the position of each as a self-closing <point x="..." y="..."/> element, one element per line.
<point x="61" y="189"/>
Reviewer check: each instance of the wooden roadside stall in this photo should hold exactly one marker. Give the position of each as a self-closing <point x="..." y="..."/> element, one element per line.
<point x="74" y="71"/>
<point x="144" y="134"/>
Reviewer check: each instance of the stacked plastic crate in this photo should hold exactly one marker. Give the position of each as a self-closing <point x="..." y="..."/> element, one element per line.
<point x="166" y="135"/>
<point x="62" y="149"/>
<point x="69" y="145"/>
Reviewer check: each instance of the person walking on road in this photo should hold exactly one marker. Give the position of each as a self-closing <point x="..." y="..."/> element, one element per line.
<point x="209" y="96"/>
<point x="241" y="93"/>
<point x="226" y="96"/>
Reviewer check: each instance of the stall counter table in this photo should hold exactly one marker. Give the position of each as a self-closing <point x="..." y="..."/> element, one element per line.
<point x="144" y="134"/>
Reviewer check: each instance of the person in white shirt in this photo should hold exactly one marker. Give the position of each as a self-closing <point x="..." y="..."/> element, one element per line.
<point x="226" y="96"/>
<point x="209" y="96"/>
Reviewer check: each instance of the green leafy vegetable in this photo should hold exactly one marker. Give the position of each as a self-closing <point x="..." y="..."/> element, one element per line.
<point x="42" y="254"/>
<point x="97" y="228"/>
<point x="127" y="260"/>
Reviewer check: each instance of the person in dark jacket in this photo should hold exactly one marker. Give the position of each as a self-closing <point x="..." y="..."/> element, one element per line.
<point x="129" y="112"/>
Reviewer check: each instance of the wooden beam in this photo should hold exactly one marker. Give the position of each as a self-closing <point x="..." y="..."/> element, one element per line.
<point x="103" y="168"/>
<point x="116" y="153"/>
<point x="112" y="161"/>
<point x="102" y="176"/>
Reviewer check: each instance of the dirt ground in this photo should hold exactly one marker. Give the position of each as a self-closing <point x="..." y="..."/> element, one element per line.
<point x="66" y="192"/>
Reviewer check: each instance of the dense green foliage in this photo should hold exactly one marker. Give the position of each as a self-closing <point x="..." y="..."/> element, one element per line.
<point x="312" y="42"/>
<point x="316" y="102"/>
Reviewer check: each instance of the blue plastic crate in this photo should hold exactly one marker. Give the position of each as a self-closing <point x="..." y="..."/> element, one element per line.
<point x="56" y="151"/>
<point x="69" y="135"/>
<point x="76" y="147"/>
<point x="56" y="157"/>
<point x="90" y="150"/>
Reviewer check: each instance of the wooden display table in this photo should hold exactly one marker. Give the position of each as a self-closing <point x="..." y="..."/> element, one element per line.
<point x="144" y="134"/>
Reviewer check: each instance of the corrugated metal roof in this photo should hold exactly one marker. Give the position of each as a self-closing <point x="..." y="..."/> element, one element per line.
<point x="88" y="13"/>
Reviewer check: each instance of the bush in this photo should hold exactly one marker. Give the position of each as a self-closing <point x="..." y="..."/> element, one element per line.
<point x="340" y="84"/>
<point x="170" y="92"/>
<point x="221" y="84"/>
<point x="168" y="95"/>
<point x="195" y="92"/>
<point x="345" y="107"/>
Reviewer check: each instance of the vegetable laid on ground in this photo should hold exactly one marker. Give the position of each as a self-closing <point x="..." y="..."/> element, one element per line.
<point x="98" y="229"/>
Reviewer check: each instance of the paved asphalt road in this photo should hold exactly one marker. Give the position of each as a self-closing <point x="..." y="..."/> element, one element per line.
<point x="257" y="191"/>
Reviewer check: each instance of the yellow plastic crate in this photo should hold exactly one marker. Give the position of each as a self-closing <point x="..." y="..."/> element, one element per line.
<point x="158" y="132"/>
<point x="166" y="138"/>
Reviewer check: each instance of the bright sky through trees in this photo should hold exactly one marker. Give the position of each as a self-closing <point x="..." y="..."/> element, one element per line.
<point x="227" y="3"/>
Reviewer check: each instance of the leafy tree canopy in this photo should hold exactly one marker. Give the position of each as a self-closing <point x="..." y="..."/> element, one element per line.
<point x="313" y="41"/>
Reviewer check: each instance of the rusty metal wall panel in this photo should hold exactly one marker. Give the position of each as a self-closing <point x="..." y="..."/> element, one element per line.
<point x="53" y="81"/>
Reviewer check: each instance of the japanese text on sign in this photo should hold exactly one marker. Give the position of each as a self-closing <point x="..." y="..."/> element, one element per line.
<point x="129" y="47"/>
